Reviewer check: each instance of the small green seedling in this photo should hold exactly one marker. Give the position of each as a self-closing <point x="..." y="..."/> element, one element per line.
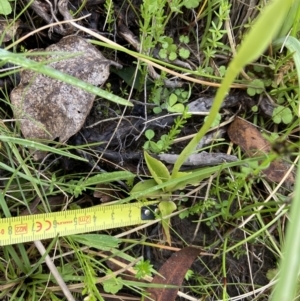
<point x="183" y="52"/>
<point x="257" y="86"/>
<point x="282" y="115"/>
<point x="143" y="268"/>
<point x="176" y="5"/>
<point x="222" y="70"/>
<point x="169" y="183"/>
<point x="151" y="145"/>
<point x="173" y="106"/>
<point x="166" y="140"/>
<point x="217" y="120"/>
<point x="184" y="39"/>
<point x="112" y="285"/>
<point x="169" y="50"/>
<point x="170" y="101"/>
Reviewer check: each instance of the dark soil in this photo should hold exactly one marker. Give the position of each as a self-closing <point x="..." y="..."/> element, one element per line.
<point x="245" y="271"/>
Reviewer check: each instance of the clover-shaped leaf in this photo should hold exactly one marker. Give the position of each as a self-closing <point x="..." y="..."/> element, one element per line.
<point x="184" y="53"/>
<point x="172" y="56"/>
<point x="184" y="39"/>
<point x="217" y="120"/>
<point x="282" y="114"/>
<point x="173" y="106"/>
<point x="172" y="48"/>
<point x="257" y="86"/>
<point x="163" y="53"/>
<point x="178" y="108"/>
<point x="190" y="3"/>
<point x="112" y="285"/>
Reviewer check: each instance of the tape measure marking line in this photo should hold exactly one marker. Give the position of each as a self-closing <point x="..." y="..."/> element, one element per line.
<point x="48" y="225"/>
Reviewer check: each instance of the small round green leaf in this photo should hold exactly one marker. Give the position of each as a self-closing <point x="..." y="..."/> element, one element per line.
<point x="178" y="108"/>
<point x="163" y="53"/>
<point x="184" y="53"/>
<point x="172" y="99"/>
<point x="149" y="134"/>
<point x="184" y="39"/>
<point x="172" y="56"/>
<point x="5" y="7"/>
<point x="157" y="110"/>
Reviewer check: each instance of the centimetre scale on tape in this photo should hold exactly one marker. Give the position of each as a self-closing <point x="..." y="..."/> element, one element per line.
<point x="27" y="228"/>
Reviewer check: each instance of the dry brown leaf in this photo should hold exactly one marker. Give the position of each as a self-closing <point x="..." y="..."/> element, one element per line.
<point x="251" y="141"/>
<point x="8" y="28"/>
<point x="172" y="273"/>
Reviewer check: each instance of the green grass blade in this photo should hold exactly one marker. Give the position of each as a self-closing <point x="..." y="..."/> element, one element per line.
<point x="290" y="263"/>
<point x="20" y="60"/>
<point x="40" y="147"/>
<point x="293" y="45"/>
<point x="291" y="20"/>
<point x="22" y="175"/>
<point x="254" y="44"/>
<point x="109" y="177"/>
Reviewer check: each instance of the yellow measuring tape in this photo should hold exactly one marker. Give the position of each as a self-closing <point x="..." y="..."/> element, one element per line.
<point x="49" y="225"/>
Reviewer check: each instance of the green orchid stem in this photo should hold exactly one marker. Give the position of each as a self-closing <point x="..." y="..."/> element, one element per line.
<point x="221" y="93"/>
<point x="260" y="35"/>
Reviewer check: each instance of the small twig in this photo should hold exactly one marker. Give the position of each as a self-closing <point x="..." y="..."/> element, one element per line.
<point x="148" y="61"/>
<point x="233" y="45"/>
<point x="38" y="244"/>
<point x="54" y="271"/>
<point x="41" y="29"/>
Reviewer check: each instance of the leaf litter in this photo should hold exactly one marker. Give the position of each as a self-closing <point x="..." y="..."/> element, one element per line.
<point x="117" y="156"/>
<point x="172" y="274"/>
<point x="251" y="141"/>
